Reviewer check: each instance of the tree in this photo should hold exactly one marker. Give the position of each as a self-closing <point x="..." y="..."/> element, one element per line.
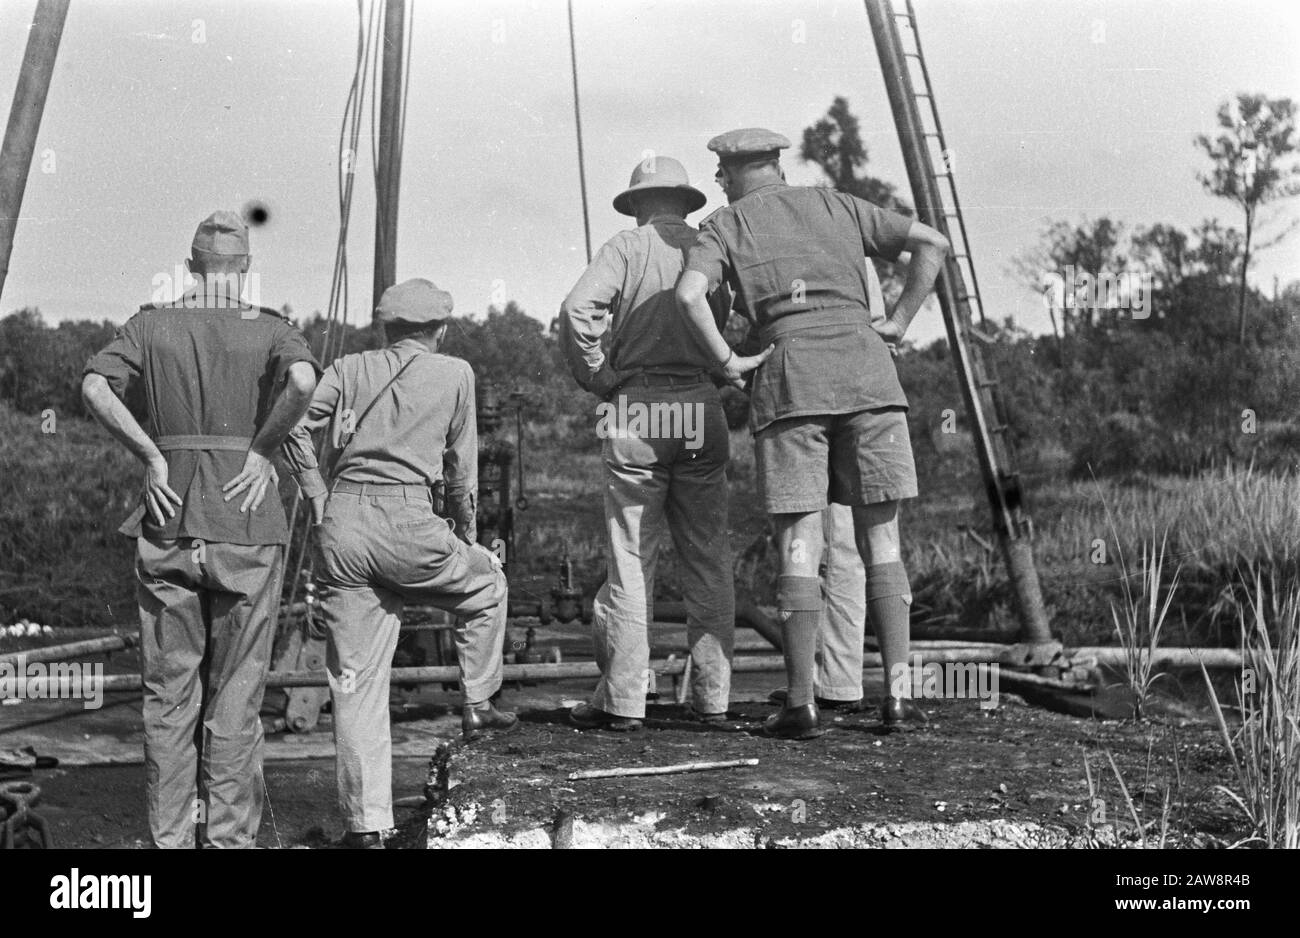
<point x="1092" y="248"/>
<point x="1165" y="252"/>
<point x="1248" y="166"/>
<point x="835" y="144"/>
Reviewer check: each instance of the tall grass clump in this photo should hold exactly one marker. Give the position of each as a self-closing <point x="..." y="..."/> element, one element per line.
<point x="1139" y="621"/>
<point x="1265" y="749"/>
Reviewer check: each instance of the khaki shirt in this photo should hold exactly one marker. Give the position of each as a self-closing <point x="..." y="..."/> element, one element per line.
<point x="794" y="255"/>
<point x="627" y="293"/>
<point x="206" y="372"/>
<point x="421" y="431"/>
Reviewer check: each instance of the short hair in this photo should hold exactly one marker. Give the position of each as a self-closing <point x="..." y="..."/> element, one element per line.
<point x="207" y="260"/>
<point x="753" y="160"/>
<point x="396" y="331"/>
<point x="681" y="196"/>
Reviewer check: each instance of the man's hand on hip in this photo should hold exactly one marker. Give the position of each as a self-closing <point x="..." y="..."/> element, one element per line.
<point x="159" y="499"/>
<point x="737" y="366"/>
<point x="256" y="477"/>
<point x="892" y="333"/>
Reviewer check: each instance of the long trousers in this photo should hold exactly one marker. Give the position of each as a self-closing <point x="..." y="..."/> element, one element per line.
<point x="206" y="630"/>
<point x="663" y="479"/>
<point x="378" y="551"/>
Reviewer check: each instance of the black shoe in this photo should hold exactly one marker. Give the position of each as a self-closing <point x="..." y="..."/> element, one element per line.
<point x="779" y="697"/>
<point x="363" y="840"/>
<point x="587" y="717"/>
<point x="712" y="719"/>
<point x="899" y="711"/>
<point x="795" y="723"/>
<point x="476" y="723"/>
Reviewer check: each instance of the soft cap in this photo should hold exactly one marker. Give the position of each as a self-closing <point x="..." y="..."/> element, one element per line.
<point x="221" y="233"/>
<point x="415" y="302"/>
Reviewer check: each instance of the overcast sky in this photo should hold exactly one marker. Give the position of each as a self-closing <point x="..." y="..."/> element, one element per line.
<point x="146" y="130"/>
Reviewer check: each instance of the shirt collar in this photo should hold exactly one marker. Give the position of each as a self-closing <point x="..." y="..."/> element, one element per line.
<point x="666" y="218"/>
<point x="778" y="184"/>
<point x="414" y="345"/>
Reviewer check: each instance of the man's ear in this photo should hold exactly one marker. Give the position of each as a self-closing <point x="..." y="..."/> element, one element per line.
<point x="248" y="262"/>
<point x="441" y="334"/>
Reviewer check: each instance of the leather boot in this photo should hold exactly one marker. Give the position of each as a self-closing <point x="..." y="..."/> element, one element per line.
<point x="363" y="840"/>
<point x="778" y="697"/>
<point x="585" y="716"/>
<point x="795" y="723"/>
<point x="475" y="723"/>
<point x="900" y="711"/>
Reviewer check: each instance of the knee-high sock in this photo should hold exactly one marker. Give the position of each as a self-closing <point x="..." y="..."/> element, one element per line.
<point x="889" y="600"/>
<point x="799" y="601"/>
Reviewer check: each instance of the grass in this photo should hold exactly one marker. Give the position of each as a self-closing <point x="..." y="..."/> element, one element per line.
<point x="1217" y="525"/>
<point x="1265" y="749"/>
<point x="63" y="495"/>
<point x="1139" y="620"/>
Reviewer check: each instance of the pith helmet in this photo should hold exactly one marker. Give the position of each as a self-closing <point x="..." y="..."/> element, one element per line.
<point x="658" y="172"/>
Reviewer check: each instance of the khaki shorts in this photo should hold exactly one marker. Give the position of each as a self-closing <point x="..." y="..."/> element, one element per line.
<point x="860" y="458"/>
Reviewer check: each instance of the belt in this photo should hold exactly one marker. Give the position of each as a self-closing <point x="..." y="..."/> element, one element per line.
<point x="793" y="322"/>
<point x="236" y="443"/>
<point x="651" y="379"/>
<point x="383" y="489"/>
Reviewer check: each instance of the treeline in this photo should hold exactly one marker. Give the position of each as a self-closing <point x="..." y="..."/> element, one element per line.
<point x="1108" y="394"/>
<point x="41" y="363"/>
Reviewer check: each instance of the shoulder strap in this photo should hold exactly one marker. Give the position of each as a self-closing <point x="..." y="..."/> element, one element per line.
<point x="356" y="427"/>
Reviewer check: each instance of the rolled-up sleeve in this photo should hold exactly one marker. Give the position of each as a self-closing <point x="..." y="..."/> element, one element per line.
<point x="585" y="318"/>
<point x="298" y="450"/>
<point x="460" y="460"/>
<point x="289" y="348"/>
<point x="884" y="233"/>
<point x="122" y="360"/>
<point x="708" y="256"/>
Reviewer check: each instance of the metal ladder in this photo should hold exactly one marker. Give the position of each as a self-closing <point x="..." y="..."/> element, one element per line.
<point x="966" y="288"/>
<point x="907" y="82"/>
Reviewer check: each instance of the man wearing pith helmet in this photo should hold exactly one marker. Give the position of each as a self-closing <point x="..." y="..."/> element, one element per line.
<point x="660" y="473"/>
<point x="827" y="411"/>
<point x="223" y="382"/>
<point x="397" y="421"/>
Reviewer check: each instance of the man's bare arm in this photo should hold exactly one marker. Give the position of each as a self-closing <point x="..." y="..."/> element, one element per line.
<point x="290" y="404"/>
<point x="927" y="248"/>
<point x="103" y="404"/>
<point x="692" y="292"/>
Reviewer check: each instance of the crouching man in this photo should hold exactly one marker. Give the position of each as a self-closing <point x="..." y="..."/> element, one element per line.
<point x="399" y="420"/>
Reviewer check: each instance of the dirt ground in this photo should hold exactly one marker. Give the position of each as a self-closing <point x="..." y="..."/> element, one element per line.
<point x="1010" y="776"/>
<point x="1013" y="776"/>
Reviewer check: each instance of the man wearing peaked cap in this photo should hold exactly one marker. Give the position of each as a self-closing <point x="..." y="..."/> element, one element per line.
<point x="223" y="383"/>
<point x="748" y="144"/>
<point x="828" y="413"/>
<point x="397" y="421"/>
<point x="656" y="477"/>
